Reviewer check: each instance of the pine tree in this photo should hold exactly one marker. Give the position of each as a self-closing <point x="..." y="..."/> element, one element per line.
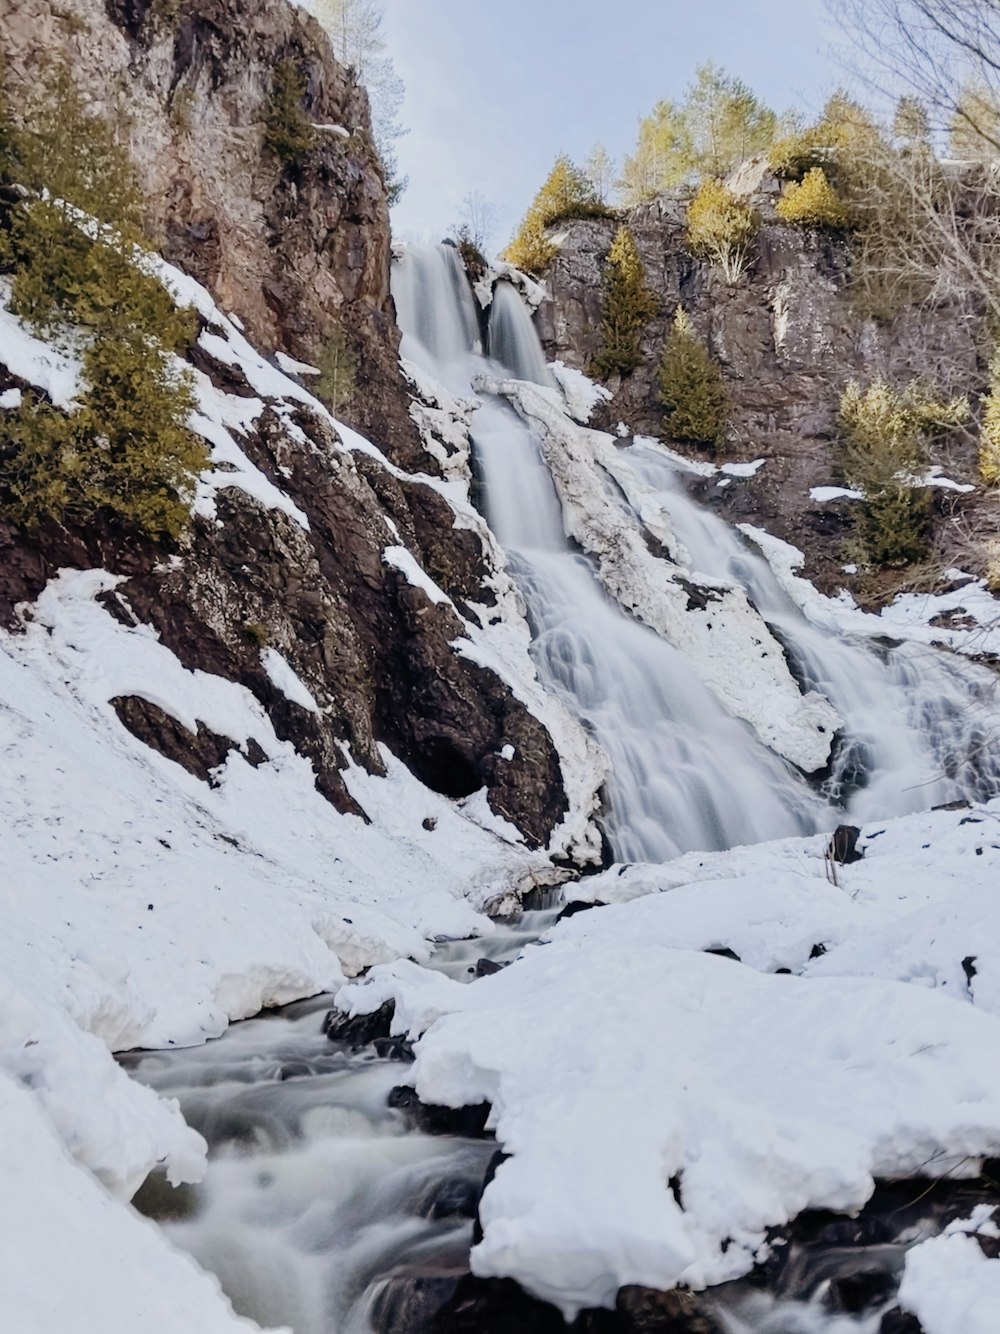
<point x="692" y="389"/>
<point x="628" y="306"/>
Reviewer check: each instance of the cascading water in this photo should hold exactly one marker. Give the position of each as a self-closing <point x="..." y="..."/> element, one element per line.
<point x="685" y="773"/>
<point x="323" y="1209"/>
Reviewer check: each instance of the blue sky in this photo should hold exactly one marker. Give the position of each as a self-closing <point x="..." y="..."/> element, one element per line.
<point x="491" y="101"/>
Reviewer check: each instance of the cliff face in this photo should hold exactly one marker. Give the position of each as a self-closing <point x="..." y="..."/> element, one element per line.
<point x="294" y="251"/>
<point x="307" y="541"/>
<point x="788" y="336"/>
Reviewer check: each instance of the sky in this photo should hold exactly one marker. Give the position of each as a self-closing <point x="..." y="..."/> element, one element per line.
<point x="494" y="93"/>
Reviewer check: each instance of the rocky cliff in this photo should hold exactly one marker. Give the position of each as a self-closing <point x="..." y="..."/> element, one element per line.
<point x="788" y="336"/>
<point x="368" y="574"/>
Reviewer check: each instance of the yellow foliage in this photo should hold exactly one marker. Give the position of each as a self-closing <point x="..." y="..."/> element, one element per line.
<point x="884" y="434"/>
<point x="812" y="201"/>
<point x="989" y="430"/>
<point x="721" y="229"/>
<point x="566" y="193"/>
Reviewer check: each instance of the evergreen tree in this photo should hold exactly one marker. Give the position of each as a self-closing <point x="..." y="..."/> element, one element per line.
<point x="692" y="390"/>
<point x="628" y="306"/>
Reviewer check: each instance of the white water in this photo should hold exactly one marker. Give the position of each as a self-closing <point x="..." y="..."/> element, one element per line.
<point x="685" y="773"/>
<point x="318" y="1196"/>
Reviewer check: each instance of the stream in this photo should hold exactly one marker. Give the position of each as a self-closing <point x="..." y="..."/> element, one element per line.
<point x="329" y="1207"/>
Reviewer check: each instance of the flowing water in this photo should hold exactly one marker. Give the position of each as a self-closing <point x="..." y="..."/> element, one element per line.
<point x="325" y="1207"/>
<point x="685" y="774"/>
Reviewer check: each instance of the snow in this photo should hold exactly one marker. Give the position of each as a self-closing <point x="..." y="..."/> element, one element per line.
<point x="951" y="1286"/>
<point x="824" y="494"/>
<point x="10" y="399"/>
<point x="114" y="1272"/>
<point x="823" y="1085"/>
<point x="742" y="469"/>
<point x="400" y="558"/>
<point x="532" y="291"/>
<point x="967" y="618"/>
<point x="601" y="494"/>
<point x="292" y="367"/>
<point x="55" y="372"/>
<point x="932" y="477"/>
<point x="580" y="394"/>
<point x="284" y="676"/>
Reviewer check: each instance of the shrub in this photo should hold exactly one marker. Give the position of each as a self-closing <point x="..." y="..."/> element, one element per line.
<point x="813" y="202"/>
<point x="691" y="388"/>
<point x="721" y="229"/>
<point x="989" y="428"/>
<point x="884" y="435"/>
<point x="125" y="449"/>
<point x="337" y="367"/>
<point x="531" y="249"/>
<point x="628" y="306"/>
<point x="566" y="193"/>
<point x="288" y="133"/>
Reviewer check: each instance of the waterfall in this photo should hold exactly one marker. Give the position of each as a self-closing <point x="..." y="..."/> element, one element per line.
<point x="512" y="339"/>
<point x="686" y="774"/>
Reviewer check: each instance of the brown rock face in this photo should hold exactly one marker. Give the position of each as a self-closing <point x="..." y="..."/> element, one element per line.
<point x="788" y="337"/>
<point x="293" y="250"/>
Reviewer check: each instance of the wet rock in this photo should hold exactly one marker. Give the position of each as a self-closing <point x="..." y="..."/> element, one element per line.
<point x="454" y="1197"/>
<point x="157" y="1198"/>
<point x="855" y="1293"/>
<point x="465" y="1122"/>
<point x="900" y="1322"/>
<point x="647" y="1311"/>
<point x="410" y="1303"/>
<point x="484" y="967"/>
<point x="577" y="906"/>
<point x="844" y="845"/>
<point x="359" y="1030"/>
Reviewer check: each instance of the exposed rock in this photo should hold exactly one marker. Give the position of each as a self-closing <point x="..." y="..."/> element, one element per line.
<point x="294" y="250"/>
<point x="788" y="337"/>
<point x="466" y="1122"/>
<point x="199" y="753"/>
<point x="359" y="1030"/>
<point x="844" y="845"/>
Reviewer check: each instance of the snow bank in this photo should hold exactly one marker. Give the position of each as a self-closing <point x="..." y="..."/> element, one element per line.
<point x="709" y="620"/>
<point x="724" y="1101"/>
<point x="79" y="1261"/>
<point x="966" y="619"/>
<point x="950" y="1285"/>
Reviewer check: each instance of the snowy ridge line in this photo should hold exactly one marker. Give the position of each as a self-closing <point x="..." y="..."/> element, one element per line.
<point x="860" y="1068"/>
<point x="724" y="631"/>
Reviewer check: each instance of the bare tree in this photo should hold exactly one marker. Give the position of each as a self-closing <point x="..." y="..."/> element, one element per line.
<point x="479" y="217"/>
<point x="355" y="29"/>
<point x="937" y="50"/>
